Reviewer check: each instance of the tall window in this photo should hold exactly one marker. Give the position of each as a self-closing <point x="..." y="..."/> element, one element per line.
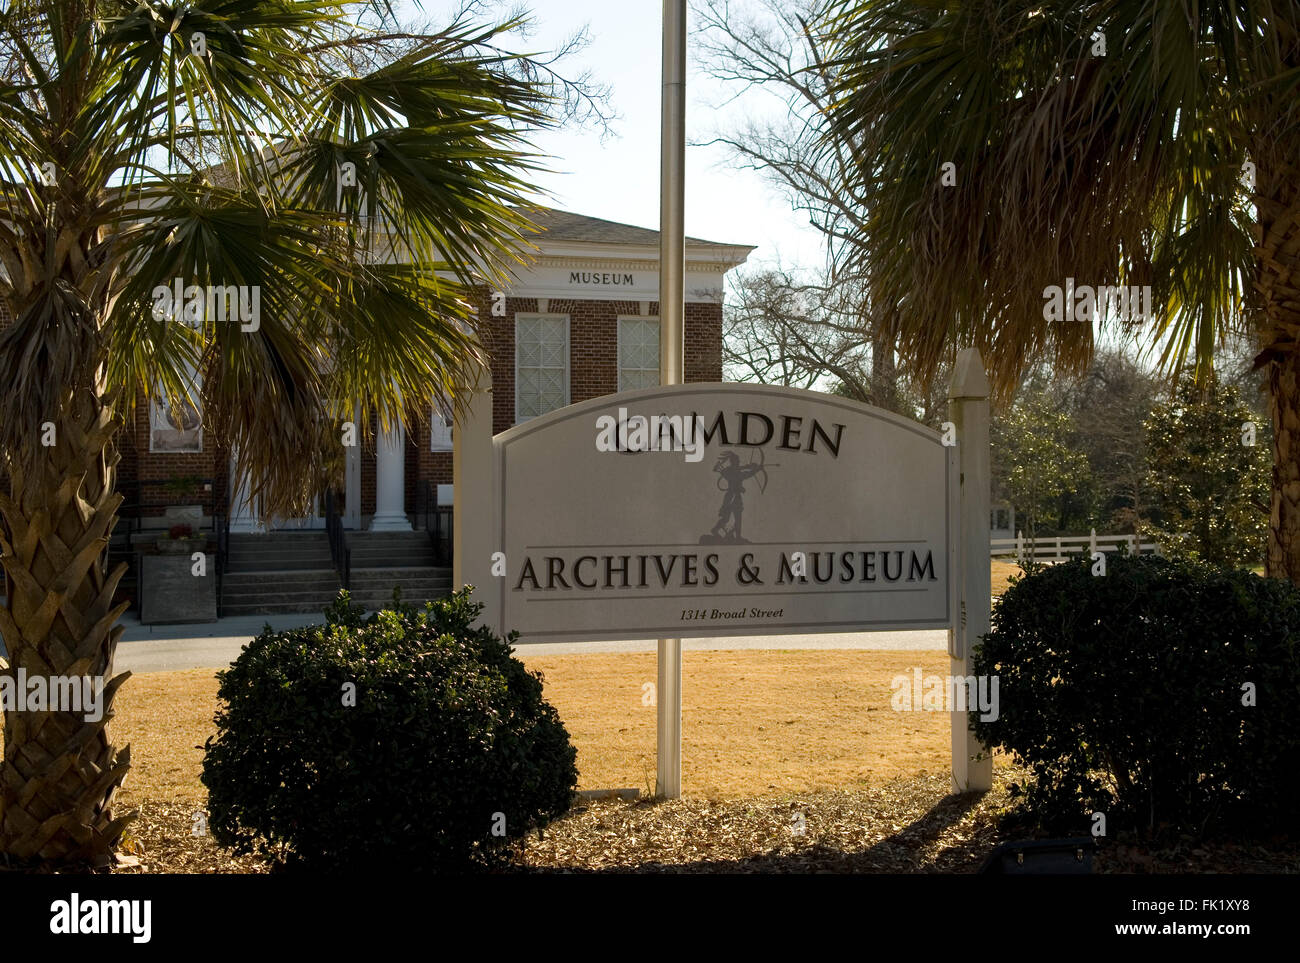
<point x="177" y="427"/>
<point x="541" y="364"/>
<point x="638" y="353"/>
<point x="440" y="438"/>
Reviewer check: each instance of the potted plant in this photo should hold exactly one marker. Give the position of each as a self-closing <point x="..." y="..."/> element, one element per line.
<point x="180" y="540"/>
<point x="178" y="490"/>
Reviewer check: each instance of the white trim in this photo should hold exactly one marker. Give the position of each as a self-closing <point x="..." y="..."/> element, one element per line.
<point x="194" y="393"/>
<point x="636" y="283"/>
<point x="440" y="425"/>
<point x="568" y="356"/>
<point x="700" y="257"/>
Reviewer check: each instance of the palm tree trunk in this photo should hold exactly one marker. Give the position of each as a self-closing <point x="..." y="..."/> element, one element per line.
<point x="60" y="771"/>
<point x="1284" y="521"/>
<point x="1278" y="202"/>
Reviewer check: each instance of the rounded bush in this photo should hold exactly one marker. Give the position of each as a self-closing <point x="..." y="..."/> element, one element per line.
<point x="1129" y="694"/>
<point x="404" y="741"/>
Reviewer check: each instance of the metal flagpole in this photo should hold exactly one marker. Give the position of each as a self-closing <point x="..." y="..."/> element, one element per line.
<point x="672" y="310"/>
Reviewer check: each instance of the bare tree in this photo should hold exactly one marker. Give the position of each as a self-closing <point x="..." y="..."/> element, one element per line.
<point x="767" y="46"/>
<point x="782" y="330"/>
<point x="782" y="327"/>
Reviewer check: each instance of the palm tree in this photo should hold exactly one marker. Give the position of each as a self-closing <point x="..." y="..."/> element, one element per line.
<point x="1005" y="147"/>
<point x="217" y="142"/>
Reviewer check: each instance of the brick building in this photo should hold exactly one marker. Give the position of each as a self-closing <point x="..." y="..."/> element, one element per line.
<point x="579" y="322"/>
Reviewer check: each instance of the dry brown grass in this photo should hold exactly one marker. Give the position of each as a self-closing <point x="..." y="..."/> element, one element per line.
<point x="166" y="717"/>
<point x="769" y="738"/>
<point x="756" y="724"/>
<point x="1002" y="572"/>
<point x="753" y="722"/>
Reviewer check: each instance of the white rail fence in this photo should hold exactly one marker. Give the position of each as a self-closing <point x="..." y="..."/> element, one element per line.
<point x="1057" y="548"/>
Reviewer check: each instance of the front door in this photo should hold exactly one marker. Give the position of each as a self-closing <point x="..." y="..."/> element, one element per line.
<point x="245" y="512"/>
<point x="314" y="520"/>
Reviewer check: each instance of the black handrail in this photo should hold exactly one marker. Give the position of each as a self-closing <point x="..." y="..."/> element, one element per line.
<point x="134" y="502"/>
<point x="339" y="551"/>
<point x="221" y="528"/>
<point x="438" y="523"/>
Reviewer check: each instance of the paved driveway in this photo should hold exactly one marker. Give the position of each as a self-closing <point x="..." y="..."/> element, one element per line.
<point x="162" y="648"/>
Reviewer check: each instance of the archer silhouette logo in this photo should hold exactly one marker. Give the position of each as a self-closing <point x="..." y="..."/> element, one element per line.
<point x="732" y="476"/>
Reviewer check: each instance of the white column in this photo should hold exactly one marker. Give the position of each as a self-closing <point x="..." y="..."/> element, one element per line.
<point x="244" y="517"/>
<point x="970" y="413"/>
<point x="390" y="483"/>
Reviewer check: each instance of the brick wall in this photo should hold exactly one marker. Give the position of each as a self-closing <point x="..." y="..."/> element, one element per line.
<point x="593" y="371"/>
<point x="593" y="348"/>
<point x="140" y="465"/>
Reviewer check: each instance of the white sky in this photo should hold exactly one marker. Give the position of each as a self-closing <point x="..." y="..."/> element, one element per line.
<point x="619" y="179"/>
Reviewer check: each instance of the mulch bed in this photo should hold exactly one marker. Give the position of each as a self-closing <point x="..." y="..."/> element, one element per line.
<point x="904" y="826"/>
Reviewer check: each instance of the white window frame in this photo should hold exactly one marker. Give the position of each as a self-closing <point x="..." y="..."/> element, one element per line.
<point x="568" y="356"/>
<point x="618" y="348"/>
<point x="156" y="404"/>
<point x="437" y="426"/>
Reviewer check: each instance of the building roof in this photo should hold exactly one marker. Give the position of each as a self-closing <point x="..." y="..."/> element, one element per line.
<point x="559" y="225"/>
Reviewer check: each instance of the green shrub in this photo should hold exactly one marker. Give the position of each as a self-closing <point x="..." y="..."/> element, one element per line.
<point x="446" y="731"/>
<point x="1123" y="694"/>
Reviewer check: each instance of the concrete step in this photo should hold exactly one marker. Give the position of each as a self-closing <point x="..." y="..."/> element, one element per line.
<point x="245" y="566"/>
<point x="392" y="560"/>
<point x="298" y="593"/>
<point x="312" y="602"/>
<point x="286" y="551"/>
<point x="290" y="576"/>
<point x="281" y="606"/>
<point x="373" y="588"/>
<point x="284" y="591"/>
<point x="279" y="538"/>
<point x="411" y="595"/>
<point x="383" y="602"/>
<point x="390" y="538"/>
<point x="267" y="553"/>
<point x="395" y="549"/>
<point x="398" y="572"/>
<point x="385" y="587"/>
<point x="266" y="591"/>
<point x="369" y="550"/>
<point x="272" y="563"/>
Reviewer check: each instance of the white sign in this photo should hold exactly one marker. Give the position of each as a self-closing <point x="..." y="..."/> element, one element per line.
<point x="704" y="285"/>
<point x="714" y="510"/>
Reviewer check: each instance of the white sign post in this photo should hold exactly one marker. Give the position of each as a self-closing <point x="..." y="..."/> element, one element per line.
<point x="634" y="544"/>
<point x="777" y="511"/>
<point x="972" y="767"/>
<point x="705" y="510"/>
<point x="672" y="349"/>
<point x="474" y="522"/>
